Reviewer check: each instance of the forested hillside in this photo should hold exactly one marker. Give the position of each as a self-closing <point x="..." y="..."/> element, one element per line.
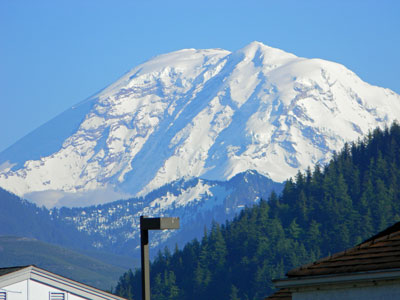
<point x="319" y="212"/>
<point x="19" y="217"/>
<point x="37" y="223"/>
<point x="22" y="251"/>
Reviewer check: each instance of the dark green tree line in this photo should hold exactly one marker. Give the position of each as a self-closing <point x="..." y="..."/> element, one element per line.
<point x="319" y="212"/>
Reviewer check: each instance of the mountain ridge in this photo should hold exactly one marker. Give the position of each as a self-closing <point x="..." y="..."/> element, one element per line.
<point x="321" y="211"/>
<point x="114" y="227"/>
<point x="17" y="251"/>
<point x="110" y="232"/>
<point x="197" y="113"/>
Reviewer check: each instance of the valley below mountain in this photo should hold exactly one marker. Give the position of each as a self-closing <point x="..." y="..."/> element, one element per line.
<point x="197" y="134"/>
<point x="22" y="251"/>
<point x="108" y="231"/>
<point x="114" y="227"/>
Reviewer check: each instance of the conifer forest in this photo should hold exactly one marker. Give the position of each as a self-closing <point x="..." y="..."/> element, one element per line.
<point x="321" y="211"/>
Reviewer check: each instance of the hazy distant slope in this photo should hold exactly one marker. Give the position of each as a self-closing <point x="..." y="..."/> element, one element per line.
<point x="114" y="227"/>
<point x="20" y="251"/>
<point x="19" y="217"/>
<point x="110" y="232"/>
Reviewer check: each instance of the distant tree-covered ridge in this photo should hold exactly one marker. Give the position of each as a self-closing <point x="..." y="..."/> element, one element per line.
<point x="19" y="217"/>
<point x="320" y="211"/>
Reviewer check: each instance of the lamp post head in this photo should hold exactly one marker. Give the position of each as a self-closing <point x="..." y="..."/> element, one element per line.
<point x="158" y="223"/>
<point x="147" y="224"/>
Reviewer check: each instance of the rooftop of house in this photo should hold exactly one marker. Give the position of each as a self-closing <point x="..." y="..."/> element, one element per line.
<point x="7" y="270"/>
<point x="378" y="253"/>
<point x="12" y="275"/>
<point x="381" y="252"/>
<point x="282" y="294"/>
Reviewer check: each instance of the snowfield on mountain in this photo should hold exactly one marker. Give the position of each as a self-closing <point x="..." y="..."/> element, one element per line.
<point x="207" y="114"/>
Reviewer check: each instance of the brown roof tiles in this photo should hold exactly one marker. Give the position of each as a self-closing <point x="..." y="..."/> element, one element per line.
<point x="380" y="252"/>
<point x="282" y="294"/>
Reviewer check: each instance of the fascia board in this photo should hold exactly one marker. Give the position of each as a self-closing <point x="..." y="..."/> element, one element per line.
<point x="71" y="286"/>
<point x="337" y="279"/>
<point x="56" y="281"/>
<point x="15" y="277"/>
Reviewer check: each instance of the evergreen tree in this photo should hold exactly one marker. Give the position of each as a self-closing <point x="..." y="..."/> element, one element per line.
<point x="323" y="211"/>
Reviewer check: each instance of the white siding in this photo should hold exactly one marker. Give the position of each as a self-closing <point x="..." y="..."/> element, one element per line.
<point x="381" y="292"/>
<point x="39" y="290"/>
<point x="16" y="291"/>
<point x="33" y="283"/>
<point x="74" y="297"/>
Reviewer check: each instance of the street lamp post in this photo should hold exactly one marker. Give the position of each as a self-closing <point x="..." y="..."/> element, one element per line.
<point x="147" y="224"/>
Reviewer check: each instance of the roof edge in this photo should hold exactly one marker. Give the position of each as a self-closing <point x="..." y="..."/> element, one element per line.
<point x="382" y="236"/>
<point x="57" y="281"/>
<point x="388" y="274"/>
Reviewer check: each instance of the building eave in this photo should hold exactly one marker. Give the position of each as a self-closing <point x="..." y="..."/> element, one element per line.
<point x="56" y="281"/>
<point x="338" y="279"/>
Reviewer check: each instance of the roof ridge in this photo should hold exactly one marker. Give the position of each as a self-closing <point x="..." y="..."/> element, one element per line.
<point x="391" y="229"/>
<point x="318" y="261"/>
<point x="393" y="234"/>
<point x="8" y="270"/>
<point x="14" y="267"/>
<point x="378" y="239"/>
<point x="376" y="251"/>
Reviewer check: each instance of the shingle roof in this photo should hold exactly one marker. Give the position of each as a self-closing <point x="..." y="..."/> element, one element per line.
<point x="282" y="294"/>
<point x="380" y="252"/>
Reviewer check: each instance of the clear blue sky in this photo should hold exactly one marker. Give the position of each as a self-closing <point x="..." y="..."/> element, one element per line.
<point x="54" y="54"/>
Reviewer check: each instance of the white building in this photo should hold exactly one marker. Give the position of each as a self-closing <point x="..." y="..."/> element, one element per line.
<point x="33" y="283"/>
<point x="371" y="270"/>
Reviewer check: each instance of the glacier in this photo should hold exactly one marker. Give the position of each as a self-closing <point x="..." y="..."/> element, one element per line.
<point x="209" y="114"/>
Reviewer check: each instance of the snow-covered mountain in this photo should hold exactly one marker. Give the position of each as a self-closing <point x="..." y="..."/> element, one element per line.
<point x="196" y="113"/>
<point x="114" y="227"/>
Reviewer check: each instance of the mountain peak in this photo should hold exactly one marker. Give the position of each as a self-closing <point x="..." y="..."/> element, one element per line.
<point x="197" y="113"/>
<point x="266" y="54"/>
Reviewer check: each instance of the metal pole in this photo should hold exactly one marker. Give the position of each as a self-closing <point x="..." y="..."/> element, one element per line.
<point x="144" y="243"/>
<point x="147" y="224"/>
